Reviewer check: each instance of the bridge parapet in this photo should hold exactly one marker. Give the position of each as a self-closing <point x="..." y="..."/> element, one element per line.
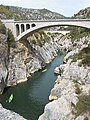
<point x="21" y="29"/>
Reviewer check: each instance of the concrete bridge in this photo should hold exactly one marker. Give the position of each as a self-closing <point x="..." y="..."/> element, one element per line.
<point x="22" y="29"/>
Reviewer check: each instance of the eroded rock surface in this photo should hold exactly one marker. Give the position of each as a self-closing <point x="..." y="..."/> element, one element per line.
<point x="25" y="58"/>
<point x="72" y="82"/>
<point x="9" y="115"/>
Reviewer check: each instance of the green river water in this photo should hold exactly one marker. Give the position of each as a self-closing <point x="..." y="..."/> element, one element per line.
<point x="31" y="97"/>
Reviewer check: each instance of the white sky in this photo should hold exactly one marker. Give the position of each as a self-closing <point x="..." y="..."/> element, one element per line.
<point x="65" y="7"/>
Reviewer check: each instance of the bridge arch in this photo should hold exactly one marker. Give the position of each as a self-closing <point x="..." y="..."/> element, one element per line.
<point x="31" y="26"/>
<point x="40" y="25"/>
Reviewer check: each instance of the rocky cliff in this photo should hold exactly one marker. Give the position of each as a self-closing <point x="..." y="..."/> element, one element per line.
<point x="19" y="60"/>
<point x="71" y="93"/>
<point x="9" y="115"/>
<point x="82" y="14"/>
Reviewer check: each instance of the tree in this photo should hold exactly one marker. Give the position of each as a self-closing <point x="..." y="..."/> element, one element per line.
<point x="11" y="39"/>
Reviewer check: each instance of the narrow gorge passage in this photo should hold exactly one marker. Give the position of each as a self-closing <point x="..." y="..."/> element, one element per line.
<point x="31" y="97"/>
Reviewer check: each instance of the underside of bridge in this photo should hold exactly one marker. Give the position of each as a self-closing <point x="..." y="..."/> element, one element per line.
<point x="20" y="28"/>
<point x="24" y="30"/>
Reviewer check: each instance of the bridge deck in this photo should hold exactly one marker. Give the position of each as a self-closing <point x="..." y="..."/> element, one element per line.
<point x="21" y="29"/>
<point x="54" y="20"/>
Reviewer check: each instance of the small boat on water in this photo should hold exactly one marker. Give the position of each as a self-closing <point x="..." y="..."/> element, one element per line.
<point x="44" y="70"/>
<point x="10" y="98"/>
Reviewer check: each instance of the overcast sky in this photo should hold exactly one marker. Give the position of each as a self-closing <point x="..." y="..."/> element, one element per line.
<point x="65" y="7"/>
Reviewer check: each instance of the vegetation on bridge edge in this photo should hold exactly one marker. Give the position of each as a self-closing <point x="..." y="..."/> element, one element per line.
<point x="2" y="28"/>
<point x="11" y="40"/>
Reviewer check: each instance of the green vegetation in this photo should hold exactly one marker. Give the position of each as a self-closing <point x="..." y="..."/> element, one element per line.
<point x="8" y="14"/>
<point x="83" y="14"/>
<point x="44" y="11"/>
<point x="84" y="55"/>
<point x="19" y="13"/>
<point x="83" y="105"/>
<point x="39" y="38"/>
<point x="2" y="28"/>
<point x="11" y="39"/>
<point x="86" y="118"/>
<point x="77" y="89"/>
<point x="77" y="32"/>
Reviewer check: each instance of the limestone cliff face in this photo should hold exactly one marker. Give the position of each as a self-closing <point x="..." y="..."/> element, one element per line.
<point x="72" y="87"/>
<point x="3" y="61"/>
<point x="9" y="115"/>
<point x="19" y="62"/>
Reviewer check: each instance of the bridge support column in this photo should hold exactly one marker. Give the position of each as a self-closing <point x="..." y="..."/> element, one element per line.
<point x="25" y="27"/>
<point x="20" y="31"/>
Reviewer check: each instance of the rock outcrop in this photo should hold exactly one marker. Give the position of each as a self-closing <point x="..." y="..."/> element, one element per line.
<point x="9" y="115"/>
<point x="20" y="60"/>
<point x="72" y="88"/>
<point x="3" y="61"/>
<point x="82" y="14"/>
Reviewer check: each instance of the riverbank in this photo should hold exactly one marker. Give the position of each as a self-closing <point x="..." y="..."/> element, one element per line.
<point x="31" y="96"/>
<point x="21" y="59"/>
<point x="72" y="87"/>
<point x="9" y="115"/>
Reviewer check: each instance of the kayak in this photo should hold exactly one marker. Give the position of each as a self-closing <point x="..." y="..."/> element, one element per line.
<point x="10" y="98"/>
<point x="44" y="70"/>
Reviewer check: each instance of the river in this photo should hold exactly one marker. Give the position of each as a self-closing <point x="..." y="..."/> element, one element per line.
<point x="31" y="97"/>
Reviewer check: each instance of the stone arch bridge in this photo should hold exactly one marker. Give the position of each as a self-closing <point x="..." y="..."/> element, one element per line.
<point x="22" y="29"/>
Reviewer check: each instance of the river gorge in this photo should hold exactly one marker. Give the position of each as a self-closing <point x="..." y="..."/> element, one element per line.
<point x="23" y="63"/>
<point x="31" y="97"/>
<point x="44" y="76"/>
<point x="34" y="61"/>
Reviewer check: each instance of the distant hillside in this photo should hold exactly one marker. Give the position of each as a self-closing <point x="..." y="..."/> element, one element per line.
<point x="19" y="13"/>
<point x="82" y="14"/>
<point x="79" y="32"/>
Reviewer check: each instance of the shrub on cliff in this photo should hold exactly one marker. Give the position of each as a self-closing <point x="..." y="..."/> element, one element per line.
<point x="84" y="55"/>
<point x="39" y="38"/>
<point x="83" y="105"/>
<point x="11" y="39"/>
<point x="7" y="13"/>
<point x="78" y="32"/>
<point x="77" y="89"/>
<point x="2" y="28"/>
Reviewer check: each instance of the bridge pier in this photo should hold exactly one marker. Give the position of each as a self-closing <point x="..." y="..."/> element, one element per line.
<point x="10" y="24"/>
